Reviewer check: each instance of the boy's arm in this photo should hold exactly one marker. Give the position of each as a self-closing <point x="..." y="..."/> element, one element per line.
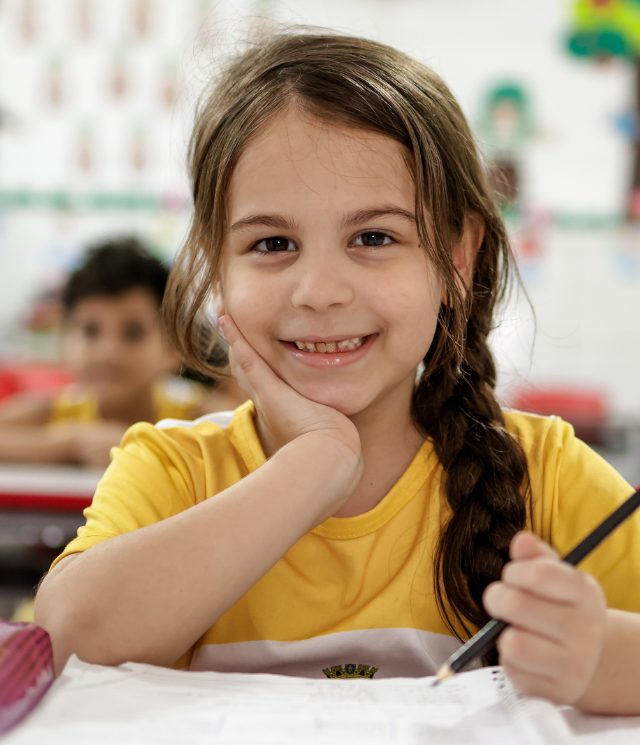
<point x="24" y="436"/>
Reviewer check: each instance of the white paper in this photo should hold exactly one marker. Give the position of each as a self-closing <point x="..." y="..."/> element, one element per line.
<point x="140" y="704"/>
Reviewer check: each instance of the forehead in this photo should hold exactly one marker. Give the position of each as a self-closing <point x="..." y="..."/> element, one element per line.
<point x="299" y="155"/>
<point x="134" y="304"/>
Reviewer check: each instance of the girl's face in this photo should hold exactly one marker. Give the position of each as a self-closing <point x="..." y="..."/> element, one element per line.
<point x="322" y="269"/>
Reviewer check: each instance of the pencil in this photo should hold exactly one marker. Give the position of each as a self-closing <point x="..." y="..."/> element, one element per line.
<point x="480" y="642"/>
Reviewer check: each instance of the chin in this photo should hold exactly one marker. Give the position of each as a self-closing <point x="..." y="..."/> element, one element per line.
<point x="346" y="404"/>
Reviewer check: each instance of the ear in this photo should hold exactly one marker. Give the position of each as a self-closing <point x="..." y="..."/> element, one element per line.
<point x="465" y="251"/>
<point x="218" y="298"/>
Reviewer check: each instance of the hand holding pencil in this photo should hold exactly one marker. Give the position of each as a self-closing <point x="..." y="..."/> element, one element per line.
<point x="557" y="622"/>
<point x="550" y="620"/>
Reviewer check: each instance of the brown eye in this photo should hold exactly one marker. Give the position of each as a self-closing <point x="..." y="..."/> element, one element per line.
<point x="373" y="239"/>
<point x="274" y="244"/>
<point x="133" y="332"/>
<point x="90" y="330"/>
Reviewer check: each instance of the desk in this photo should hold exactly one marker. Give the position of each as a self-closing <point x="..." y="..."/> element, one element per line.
<point x="143" y="705"/>
<point x="48" y="488"/>
<point x="40" y="511"/>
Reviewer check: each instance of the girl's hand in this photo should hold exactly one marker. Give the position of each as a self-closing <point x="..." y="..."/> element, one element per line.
<point x="283" y="413"/>
<point x="557" y="618"/>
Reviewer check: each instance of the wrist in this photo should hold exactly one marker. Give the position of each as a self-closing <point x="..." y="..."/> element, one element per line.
<point x="325" y="465"/>
<point x="613" y="687"/>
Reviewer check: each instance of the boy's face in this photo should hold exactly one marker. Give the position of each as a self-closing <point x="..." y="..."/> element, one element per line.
<point x="115" y="345"/>
<point x="323" y="247"/>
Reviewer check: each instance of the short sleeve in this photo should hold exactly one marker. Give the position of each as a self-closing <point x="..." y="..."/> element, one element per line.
<point x="153" y="475"/>
<point x="573" y="490"/>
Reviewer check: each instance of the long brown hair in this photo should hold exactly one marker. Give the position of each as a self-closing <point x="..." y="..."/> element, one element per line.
<point x="372" y="86"/>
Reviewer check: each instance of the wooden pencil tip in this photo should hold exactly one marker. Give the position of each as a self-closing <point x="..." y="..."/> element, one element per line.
<point x="443" y="673"/>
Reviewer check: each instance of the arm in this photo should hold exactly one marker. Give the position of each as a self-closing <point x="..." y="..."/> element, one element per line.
<point x="24" y="436"/>
<point x="148" y="595"/>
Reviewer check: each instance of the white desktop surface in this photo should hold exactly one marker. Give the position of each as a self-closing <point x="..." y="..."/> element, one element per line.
<point x="142" y="705"/>
<point x="48" y="479"/>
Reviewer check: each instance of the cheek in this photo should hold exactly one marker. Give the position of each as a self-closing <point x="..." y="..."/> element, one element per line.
<point x="73" y="350"/>
<point x="254" y="311"/>
<point x="415" y="314"/>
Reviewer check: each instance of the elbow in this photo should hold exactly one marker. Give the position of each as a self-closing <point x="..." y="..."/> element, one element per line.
<point x="63" y="626"/>
<point x="72" y="629"/>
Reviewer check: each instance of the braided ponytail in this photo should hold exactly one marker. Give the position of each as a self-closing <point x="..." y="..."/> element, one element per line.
<point x="486" y="480"/>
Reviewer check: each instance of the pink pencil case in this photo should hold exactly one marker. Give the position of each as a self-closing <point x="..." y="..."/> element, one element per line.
<point x="26" y="670"/>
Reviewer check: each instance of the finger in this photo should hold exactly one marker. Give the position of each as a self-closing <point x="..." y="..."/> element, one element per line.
<point x="539" y="667"/>
<point x="546" y="578"/>
<point x="528" y="654"/>
<point x="251" y="371"/>
<point x="527" y="545"/>
<point x="541" y="616"/>
<point x="537" y="686"/>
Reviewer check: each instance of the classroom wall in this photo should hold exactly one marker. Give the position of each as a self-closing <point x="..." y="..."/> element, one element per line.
<point x="581" y="267"/>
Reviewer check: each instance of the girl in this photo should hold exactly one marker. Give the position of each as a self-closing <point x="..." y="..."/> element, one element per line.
<point x="355" y="519"/>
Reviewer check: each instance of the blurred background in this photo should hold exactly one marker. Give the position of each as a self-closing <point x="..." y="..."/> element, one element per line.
<point x="96" y="103"/>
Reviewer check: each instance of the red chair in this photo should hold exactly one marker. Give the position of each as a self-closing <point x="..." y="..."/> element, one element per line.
<point x="587" y="409"/>
<point x="33" y="376"/>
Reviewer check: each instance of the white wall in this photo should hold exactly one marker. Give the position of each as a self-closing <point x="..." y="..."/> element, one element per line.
<point x="583" y="282"/>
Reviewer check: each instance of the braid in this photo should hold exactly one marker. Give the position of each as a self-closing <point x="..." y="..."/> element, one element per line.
<point x="485" y="472"/>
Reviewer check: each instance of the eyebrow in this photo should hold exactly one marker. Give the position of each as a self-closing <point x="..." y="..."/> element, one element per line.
<point x="353" y="218"/>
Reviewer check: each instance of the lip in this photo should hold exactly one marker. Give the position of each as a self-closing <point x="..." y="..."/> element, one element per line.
<point x="330" y="359"/>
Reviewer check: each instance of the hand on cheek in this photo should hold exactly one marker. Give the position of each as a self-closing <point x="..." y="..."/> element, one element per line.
<point x="283" y="412"/>
<point x="557" y="618"/>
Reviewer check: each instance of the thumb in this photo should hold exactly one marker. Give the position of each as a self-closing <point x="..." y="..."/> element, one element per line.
<point x="526" y="545"/>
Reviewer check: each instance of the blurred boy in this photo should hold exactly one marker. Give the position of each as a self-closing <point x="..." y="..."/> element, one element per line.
<point x="112" y="343"/>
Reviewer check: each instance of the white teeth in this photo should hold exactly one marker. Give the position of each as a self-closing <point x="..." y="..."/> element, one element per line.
<point x="350" y="343"/>
<point x="330" y="346"/>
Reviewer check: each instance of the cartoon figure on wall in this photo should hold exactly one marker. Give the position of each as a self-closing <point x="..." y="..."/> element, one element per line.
<point x="504" y="126"/>
<point x="603" y="30"/>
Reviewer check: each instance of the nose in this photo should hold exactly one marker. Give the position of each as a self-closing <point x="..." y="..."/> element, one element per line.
<point x="322" y="282"/>
<point x="107" y="348"/>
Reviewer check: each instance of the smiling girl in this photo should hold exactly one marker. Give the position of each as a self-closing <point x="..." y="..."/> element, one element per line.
<point x="372" y="505"/>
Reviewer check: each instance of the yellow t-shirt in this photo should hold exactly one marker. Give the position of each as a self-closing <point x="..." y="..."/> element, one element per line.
<point x="354" y="597"/>
<point x="177" y="399"/>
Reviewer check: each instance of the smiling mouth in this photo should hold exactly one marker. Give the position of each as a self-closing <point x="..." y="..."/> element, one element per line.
<point x="344" y="345"/>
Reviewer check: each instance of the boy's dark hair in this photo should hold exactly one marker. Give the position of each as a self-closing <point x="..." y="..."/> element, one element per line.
<point x="112" y="267"/>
